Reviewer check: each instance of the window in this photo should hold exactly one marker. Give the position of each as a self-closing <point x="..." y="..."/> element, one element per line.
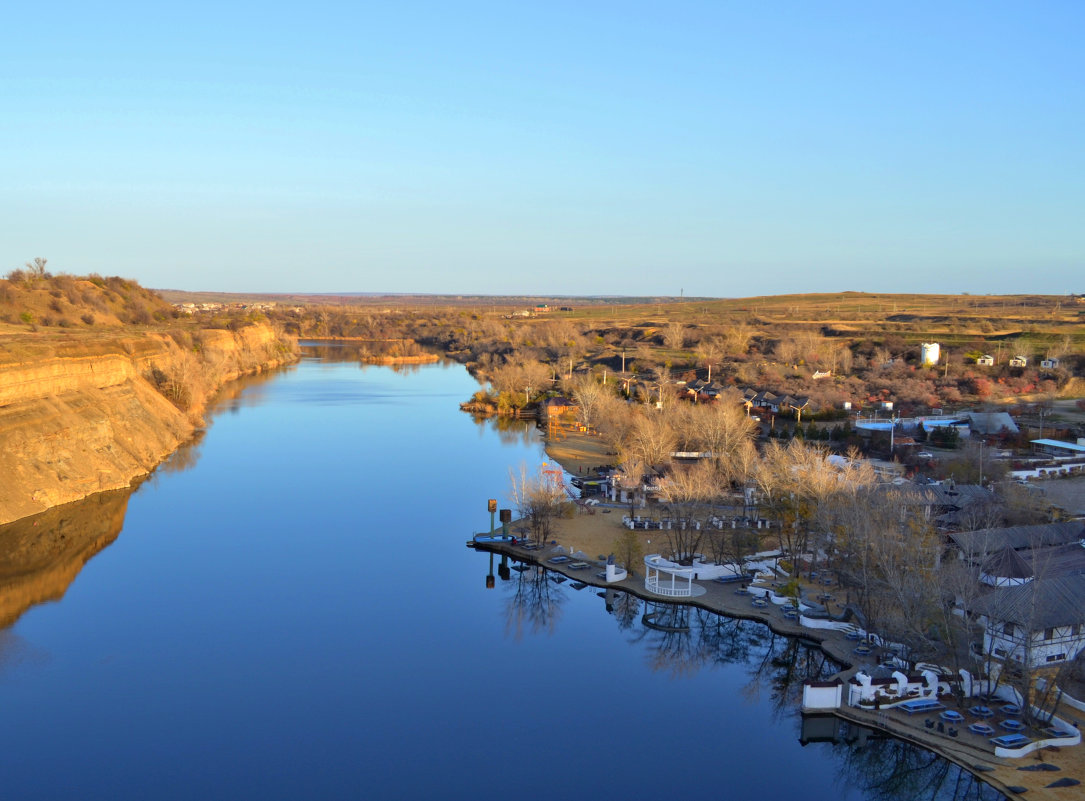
<point x="1008" y="629"/>
<point x="1000" y="652"/>
<point x="1056" y="658"/>
<point x="1075" y="630"/>
<point x="1049" y="634"/>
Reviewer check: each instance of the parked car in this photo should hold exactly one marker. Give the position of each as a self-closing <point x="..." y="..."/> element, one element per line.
<point x="926" y="455"/>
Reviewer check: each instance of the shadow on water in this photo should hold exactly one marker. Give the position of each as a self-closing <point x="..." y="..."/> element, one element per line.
<point x="681" y="640"/>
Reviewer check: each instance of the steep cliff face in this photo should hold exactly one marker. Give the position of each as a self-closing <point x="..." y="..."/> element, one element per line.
<point x="81" y="415"/>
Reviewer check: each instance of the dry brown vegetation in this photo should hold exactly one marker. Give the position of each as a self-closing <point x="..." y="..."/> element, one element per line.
<point x="869" y="344"/>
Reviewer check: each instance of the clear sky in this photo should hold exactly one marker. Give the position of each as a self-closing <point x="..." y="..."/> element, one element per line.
<point x="720" y="148"/>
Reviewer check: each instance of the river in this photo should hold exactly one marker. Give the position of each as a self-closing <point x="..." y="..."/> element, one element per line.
<point x="287" y="609"/>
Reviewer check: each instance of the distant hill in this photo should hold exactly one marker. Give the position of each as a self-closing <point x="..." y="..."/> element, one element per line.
<point x="410" y="299"/>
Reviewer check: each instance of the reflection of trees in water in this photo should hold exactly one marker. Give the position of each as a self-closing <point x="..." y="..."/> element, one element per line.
<point x="683" y="639"/>
<point x="535" y="603"/>
<point x="349" y="351"/>
<point x="510" y="430"/>
<point x="405" y="369"/>
<point x="781" y="669"/>
<point x="886" y="769"/>
<point x="332" y="351"/>
<point x="624" y="606"/>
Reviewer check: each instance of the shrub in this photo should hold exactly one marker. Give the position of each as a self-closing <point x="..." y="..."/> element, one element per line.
<point x="88" y="318"/>
<point x="141" y="316"/>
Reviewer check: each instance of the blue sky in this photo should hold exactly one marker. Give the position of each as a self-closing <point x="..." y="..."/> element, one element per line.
<point x="723" y="149"/>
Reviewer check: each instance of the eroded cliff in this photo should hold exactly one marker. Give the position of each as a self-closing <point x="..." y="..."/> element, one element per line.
<point x="84" y="414"/>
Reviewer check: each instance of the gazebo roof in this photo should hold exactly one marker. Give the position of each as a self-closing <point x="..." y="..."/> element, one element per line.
<point x="1008" y="564"/>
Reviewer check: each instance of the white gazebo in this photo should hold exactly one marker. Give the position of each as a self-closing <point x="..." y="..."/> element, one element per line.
<point x="664" y="577"/>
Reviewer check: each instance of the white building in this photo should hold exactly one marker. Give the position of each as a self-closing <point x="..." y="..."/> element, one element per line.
<point x="1019" y="361"/>
<point x="1040" y="622"/>
<point x="930" y="353"/>
<point x="986" y="360"/>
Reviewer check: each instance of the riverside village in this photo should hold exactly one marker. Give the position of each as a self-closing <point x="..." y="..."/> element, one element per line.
<point x="954" y="606"/>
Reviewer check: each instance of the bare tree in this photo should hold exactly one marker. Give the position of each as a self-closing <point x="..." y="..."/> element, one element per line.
<point x="710" y="351"/>
<point x="35" y="270"/>
<point x="653" y="440"/>
<point x="737" y="338"/>
<point x="674" y="336"/>
<point x="687" y="493"/>
<point x="628" y="550"/>
<point x="588" y="394"/>
<point x="538" y="499"/>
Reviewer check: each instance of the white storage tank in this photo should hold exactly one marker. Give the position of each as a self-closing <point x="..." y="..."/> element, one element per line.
<point x="930" y="352"/>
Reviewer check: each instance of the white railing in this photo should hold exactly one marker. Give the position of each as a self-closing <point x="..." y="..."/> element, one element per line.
<point x="652" y="584"/>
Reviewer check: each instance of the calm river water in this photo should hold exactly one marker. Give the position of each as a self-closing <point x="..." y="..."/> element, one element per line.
<point x="287" y="610"/>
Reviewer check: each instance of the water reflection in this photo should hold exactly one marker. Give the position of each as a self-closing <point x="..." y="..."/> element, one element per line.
<point x="510" y="430"/>
<point x="886" y="769"/>
<point x="40" y="556"/>
<point x="333" y="351"/>
<point x="534" y="603"/>
<point x="185" y="457"/>
<point x="680" y="641"/>
<point x="244" y="392"/>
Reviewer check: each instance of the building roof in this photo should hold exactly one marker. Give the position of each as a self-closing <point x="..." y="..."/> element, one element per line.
<point x="1045" y="535"/>
<point x="1007" y="564"/>
<point x="948" y="496"/>
<point x="1040" y="604"/>
<point x="1064" y="560"/>
<point x="992" y="422"/>
<point x="1058" y="443"/>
